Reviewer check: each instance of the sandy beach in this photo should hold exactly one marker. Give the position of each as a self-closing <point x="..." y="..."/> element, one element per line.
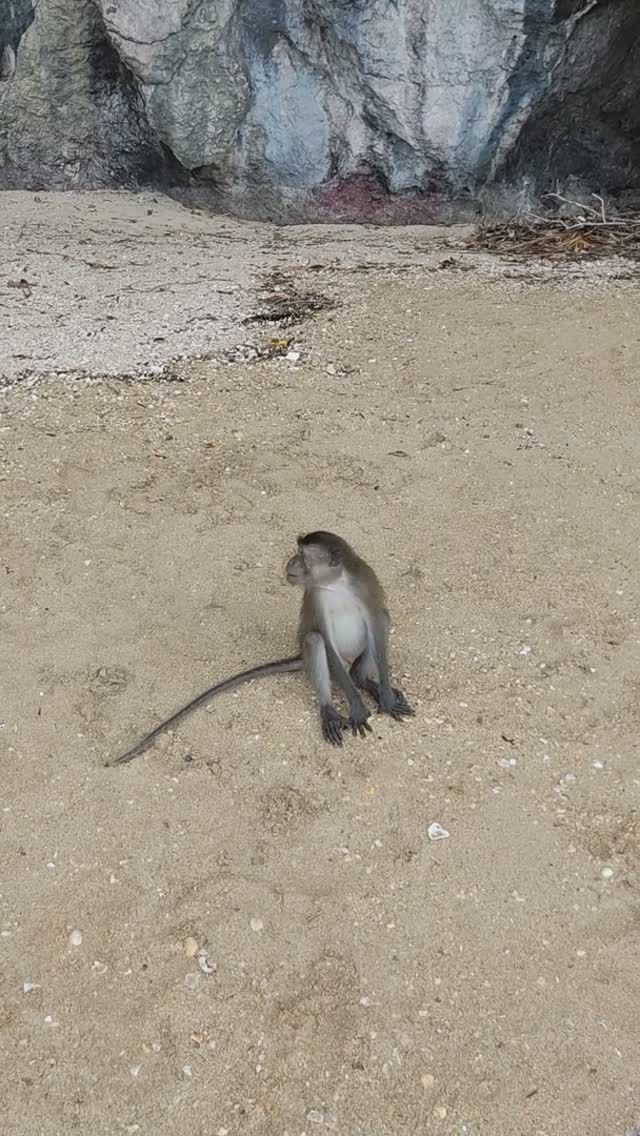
<point x="246" y="931"/>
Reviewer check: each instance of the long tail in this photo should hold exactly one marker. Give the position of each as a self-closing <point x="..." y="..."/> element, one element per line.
<point x="281" y="666"/>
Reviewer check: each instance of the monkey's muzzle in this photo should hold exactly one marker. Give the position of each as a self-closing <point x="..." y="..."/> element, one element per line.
<point x="294" y="571"/>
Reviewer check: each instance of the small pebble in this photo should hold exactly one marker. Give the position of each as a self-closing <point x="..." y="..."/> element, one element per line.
<point x="314" y="1116"/>
<point x="440" y="1112"/>
<point x="27" y="987"/>
<point x="135" y="1070"/>
<point x="187" y="1071"/>
<point x="192" y="981"/>
<point x="203" y="962"/>
<point x="257" y="924"/>
<point x="190" y="948"/>
<point x="75" y="938"/>
<point x="506" y="762"/>
<point x="435" y="831"/>
<point x="428" y="1080"/>
<point x="607" y="873"/>
<point x="597" y="764"/>
<point x="292" y="356"/>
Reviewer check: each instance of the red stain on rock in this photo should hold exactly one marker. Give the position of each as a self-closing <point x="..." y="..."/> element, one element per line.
<point x="362" y="198"/>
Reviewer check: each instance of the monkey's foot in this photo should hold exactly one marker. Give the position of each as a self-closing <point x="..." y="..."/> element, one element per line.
<point x="358" y="723"/>
<point x="332" y="725"/>
<point x="397" y="706"/>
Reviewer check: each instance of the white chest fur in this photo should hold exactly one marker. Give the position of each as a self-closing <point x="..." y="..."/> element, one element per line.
<point x="345" y="619"/>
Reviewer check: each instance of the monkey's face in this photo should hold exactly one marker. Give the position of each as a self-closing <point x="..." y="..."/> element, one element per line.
<point x="313" y="566"/>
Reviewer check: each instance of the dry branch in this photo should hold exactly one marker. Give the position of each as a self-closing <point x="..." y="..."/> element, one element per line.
<point x="577" y="229"/>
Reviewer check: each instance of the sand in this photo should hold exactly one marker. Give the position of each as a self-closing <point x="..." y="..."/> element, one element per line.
<point x="472" y="429"/>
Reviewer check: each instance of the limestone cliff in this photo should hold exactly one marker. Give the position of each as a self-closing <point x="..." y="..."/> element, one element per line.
<point x="403" y="109"/>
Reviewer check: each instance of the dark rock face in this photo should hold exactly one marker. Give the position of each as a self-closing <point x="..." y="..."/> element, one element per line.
<point x="71" y="114"/>
<point x="360" y="109"/>
<point x="586" y="126"/>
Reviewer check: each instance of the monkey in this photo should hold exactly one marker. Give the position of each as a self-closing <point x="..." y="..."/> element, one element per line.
<point x="343" y="634"/>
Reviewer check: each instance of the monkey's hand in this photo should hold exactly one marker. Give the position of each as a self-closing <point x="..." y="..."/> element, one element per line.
<point x="395" y="704"/>
<point x="332" y="725"/>
<point x="358" y="722"/>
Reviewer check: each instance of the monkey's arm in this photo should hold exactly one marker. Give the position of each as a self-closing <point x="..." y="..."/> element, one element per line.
<point x="380" y="624"/>
<point x="390" y="700"/>
<point x="279" y="667"/>
<point x="358" y="713"/>
<point x="317" y="668"/>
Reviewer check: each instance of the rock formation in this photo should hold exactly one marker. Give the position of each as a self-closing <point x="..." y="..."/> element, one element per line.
<point x="390" y="109"/>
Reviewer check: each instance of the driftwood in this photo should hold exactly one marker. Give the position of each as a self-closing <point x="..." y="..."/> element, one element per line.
<point x="576" y="230"/>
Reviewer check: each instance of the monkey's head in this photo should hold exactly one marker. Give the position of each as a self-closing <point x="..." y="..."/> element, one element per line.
<point x="320" y="558"/>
